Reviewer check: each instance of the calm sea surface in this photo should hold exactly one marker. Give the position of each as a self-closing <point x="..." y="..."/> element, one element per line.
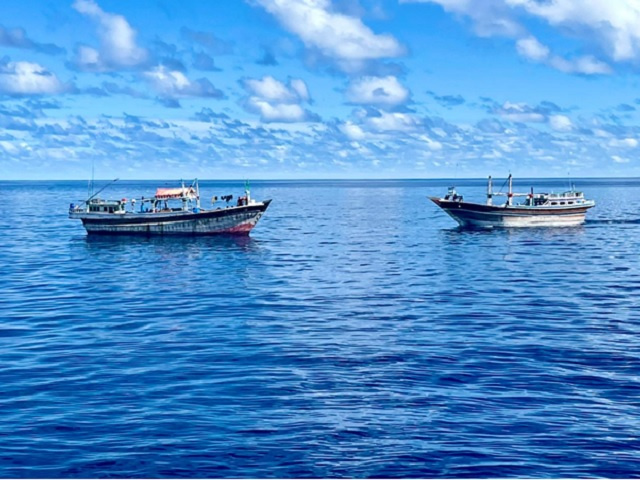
<point x="356" y="333"/>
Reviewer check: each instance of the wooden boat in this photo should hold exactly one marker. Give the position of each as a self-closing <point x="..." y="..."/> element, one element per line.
<point x="538" y="210"/>
<point x="156" y="215"/>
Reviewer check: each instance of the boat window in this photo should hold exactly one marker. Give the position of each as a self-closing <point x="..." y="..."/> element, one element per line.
<point x="561" y="203"/>
<point x="554" y="203"/>
<point x="570" y="203"/>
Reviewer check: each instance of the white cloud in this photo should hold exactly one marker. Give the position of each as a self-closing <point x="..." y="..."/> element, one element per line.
<point x="619" y="159"/>
<point x="532" y="49"/>
<point x="300" y="88"/>
<point x="431" y="144"/>
<point x="274" y="90"/>
<point x="338" y="36"/>
<point x="386" y="122"/>
<point x="174" y="84"/>
<point x="276" y="102"/>
<point x="560" y="123"/>
<point x="26" y="78"/>
<point x="615" y="22"/>
<point x="118" y="48"/>
<point x="612" y="22"/>
<point x="9" y="147"/>
<point x="586" y="65"/>
<point x="490" y="17"/>
<point x="381" y="91"/>
<point x="520" y="113"/>
<point x="624" y="142"/>
<point x="279" y="112"/>
<point x="167" y="82"/>
<point x="353" y="131"/>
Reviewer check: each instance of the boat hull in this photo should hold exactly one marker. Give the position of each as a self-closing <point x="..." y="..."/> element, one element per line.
<point x="230" y="221"/>
<point x="476" y="215"/>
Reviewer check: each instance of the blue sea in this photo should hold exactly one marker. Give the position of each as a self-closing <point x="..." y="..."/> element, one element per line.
<point x="356" y="333"/>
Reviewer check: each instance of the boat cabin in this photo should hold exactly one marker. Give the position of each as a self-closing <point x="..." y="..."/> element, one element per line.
<point x="160" y="202"/>
<point x="165" y="200"/>
<point x="98" y="205"/>
<point x="570" y="198"/>
<point x="555" y="199"/>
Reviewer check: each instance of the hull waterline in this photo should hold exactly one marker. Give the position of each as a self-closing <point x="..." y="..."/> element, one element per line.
<point x="476" y="215"/>
<point x="225" y="221"/>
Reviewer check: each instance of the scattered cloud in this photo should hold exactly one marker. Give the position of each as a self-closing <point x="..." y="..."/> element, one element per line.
<point x="17" y="38"/>
<point x="613" y="23"/>
<point x="586" y="65"/>
<point x="448" y="101"/>
<point x="619" y="159"/>
<point x="28" y="78"/>
<point x="378" y="91"/>
<point x="352" y="131"/>
<point x="207" y="115"/>
<point x="276" y="102"/>
<point x="560" y="123"/>
<point x="338" y="36"/>
<point x="519" y="112"/>
<point x="624" y="142"/>
<point x="381" y="121"/>
<point x="531" y="49"/>
<point x="118" y="48"/>
<point x="170" y="85"/>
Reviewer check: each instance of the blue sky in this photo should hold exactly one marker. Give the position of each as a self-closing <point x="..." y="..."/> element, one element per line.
<point x="319" y="88"/>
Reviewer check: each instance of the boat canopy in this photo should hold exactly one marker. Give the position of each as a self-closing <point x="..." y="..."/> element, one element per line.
<point x="167" y="193"/>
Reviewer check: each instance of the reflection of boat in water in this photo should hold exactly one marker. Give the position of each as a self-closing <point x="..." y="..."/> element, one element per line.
<point x="157" y="216"/>
<point x="538" y="210"/>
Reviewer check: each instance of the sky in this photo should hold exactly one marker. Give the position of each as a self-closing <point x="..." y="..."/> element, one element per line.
<point x="293" y="89"/>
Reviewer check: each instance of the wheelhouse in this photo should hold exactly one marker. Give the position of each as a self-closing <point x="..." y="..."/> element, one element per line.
<point x="97" y="205"/>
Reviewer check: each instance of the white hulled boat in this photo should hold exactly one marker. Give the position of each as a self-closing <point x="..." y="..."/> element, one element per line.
<point x="537" y="210"/>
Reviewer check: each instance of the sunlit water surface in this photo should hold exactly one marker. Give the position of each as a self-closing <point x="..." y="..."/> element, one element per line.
<point x="356" y="333"/>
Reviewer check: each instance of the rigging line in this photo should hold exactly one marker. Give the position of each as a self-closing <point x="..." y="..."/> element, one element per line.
<point x="505" y="182"/>
<point x="99" y="191"/>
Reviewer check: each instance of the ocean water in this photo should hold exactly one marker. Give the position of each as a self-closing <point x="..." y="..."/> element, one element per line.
<point x="356" y="333"/>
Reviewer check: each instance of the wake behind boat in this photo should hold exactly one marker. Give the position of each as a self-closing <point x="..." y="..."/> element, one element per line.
<point x="538" y="210"/>
<point x="158" y="215"/>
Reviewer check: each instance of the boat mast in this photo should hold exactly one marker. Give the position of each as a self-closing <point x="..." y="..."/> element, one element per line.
<point x="490" y="192"/>
<point x="90" y="185"/>
<point x="185" y="197"/>
<point x="510" y="194"/>
<point x="197" y="194"/>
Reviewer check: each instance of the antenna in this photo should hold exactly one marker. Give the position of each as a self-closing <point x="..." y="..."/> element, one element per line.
<point x="90" y="185"/>
<point x="107" y="185"/>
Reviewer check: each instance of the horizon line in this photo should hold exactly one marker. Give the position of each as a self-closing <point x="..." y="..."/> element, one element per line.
<point x="310" y="179"/>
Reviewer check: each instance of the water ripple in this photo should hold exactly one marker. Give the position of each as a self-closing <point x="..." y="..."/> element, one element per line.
<point x="357" y="333"/>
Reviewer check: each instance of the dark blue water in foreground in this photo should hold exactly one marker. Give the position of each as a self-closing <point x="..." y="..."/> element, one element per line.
<point x="356" y="333"/>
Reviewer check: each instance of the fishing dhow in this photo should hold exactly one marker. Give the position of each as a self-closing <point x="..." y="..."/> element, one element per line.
<point x="537" y="210"/>
<point x="171" y="211"/>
